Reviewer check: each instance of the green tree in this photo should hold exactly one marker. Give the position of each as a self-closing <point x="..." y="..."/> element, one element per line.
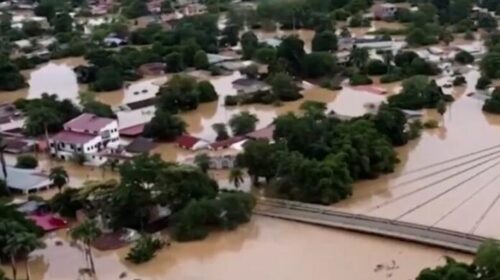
<point x="135" y="9"/>
<point x="483" y="83"/>
<point x="376" y="67"/>
<point x="22" y="244"/>
<point x="164" y="126"/>
<point x="144" y="249"/>
<point x="230" y="35"/>
<point x="59" y="177"/>
<point x="265" y="55"/>
<point x="284" y="87"/>
<point x="236" y="177"/>
<point x="26" y="162"/>
<point x="10" y="77"/>
<point x="175" y="62"/>
<point x="490" y="65"/>
<point x="32" y="28"/>
<point x="62" y="23"/>
<point x="221" y="131"/>
<point x="464" y="57"/>
<point x="487" y="21"/>
<point x="261" y="159"/>
<point x="492" y="104"/>
<point x="201" y="60"/>
<point x="87" y="232"/>
<point x="359" y="57"/>
<point x="206" y="92"/>
<point x="202" y="161"/>
<point x="324" y="41"/>
<point x="292" y="50"/>
<point x="108" y="78"/>
<point x="391" y="122"/>
<point x="249" y="44"/>
<point x="182" y="93"/>
<point x="318" y="64"/>
<point x="243" y="123"/>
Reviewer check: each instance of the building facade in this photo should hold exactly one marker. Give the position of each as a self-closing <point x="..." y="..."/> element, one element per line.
<point x="84" y="138"/>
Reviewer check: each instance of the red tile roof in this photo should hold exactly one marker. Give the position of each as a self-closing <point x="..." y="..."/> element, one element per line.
<point x="89" y="122"/>
<point x="187" y="141"/>
<point x="132" y="131"/>
<point x="223" y="144"/>
<point x="72" y="137"/>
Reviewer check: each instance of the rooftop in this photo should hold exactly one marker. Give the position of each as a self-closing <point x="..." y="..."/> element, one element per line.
<point x="71" y="137"/>
<point x="132" y="131"/>
<point x="24" y="180"/>
<point x="264" y="133"/>
<point x="140" y="145"/>
<point x="246" y="82"/>
<point x="88" y="122"/>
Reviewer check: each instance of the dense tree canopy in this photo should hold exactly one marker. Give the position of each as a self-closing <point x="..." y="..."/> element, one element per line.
<point x="164" y="126"/>
<point x="10" y="77"/>
<point x="419" y="93"/>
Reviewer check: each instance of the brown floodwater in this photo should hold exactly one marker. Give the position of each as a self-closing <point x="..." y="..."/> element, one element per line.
<point x="263" y="249"/>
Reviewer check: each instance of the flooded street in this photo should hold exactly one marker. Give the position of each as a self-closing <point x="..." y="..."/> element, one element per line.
<point x="263" y="249"/>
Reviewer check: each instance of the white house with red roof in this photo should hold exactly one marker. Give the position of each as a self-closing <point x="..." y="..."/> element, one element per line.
<point x="86" y="135"/>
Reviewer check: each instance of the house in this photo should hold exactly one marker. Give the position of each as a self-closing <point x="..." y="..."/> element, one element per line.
<point x="218" y="160"/>
<point x="16" y="145"/>
<point x="112" y="41"/>
<point x="224" y="144"/>
<point x="85" y="135"/>
<point x="272" y="42"/>
<point x="152" y="69"/>
<point x="265" y="133"/>
<point x="385" y="11"/>
<point x="373" y="42"/>
<point x="476" y="49"/>
<point x="132" y="131"/>
<point x="140" y="145"/>
<point x="189" y="142"/>
<point x="250" y="86"/>
<point x="193" y="9"/>
<point x="10" y="117"/>
<point x="25" y="180"/>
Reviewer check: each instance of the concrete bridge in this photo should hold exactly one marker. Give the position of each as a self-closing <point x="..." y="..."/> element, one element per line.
<point x="320" y="215"/>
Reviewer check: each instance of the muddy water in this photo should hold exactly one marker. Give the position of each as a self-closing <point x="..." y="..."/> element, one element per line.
<point x="246" y="253"/>
<point x="461" y="194"/>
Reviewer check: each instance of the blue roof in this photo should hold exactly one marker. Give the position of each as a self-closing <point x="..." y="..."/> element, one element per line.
<point x="24" y="180"/>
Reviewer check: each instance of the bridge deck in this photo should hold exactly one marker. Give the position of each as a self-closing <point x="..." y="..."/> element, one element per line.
<point x="314" y="214"/>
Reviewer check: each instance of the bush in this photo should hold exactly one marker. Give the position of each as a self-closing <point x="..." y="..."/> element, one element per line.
<point x="231" y="100"/>
<point x="360" y="79"/>
<point x="459" y="80"/>
<point x="376" y="67"/>
<point x="464" y="57"/>
<point x="431" y="124"/>
<point x="144" y="249"/>
<point x="26" y="162"/>
<point x="483" y="83"/>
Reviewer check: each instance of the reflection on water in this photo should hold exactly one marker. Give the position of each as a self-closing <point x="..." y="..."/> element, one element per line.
<point x="245" y="253"/>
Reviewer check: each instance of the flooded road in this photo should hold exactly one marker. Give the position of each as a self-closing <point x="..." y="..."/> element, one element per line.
<point x="263" y="249"/>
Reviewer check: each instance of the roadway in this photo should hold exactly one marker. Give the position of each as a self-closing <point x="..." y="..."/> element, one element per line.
<point x="320" y="215"/>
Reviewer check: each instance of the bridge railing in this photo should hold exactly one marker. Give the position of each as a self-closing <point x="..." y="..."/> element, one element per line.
<point x="360" y="217"/>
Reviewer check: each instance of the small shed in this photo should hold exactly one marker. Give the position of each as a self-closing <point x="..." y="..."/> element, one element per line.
<point x="140" y="145"/>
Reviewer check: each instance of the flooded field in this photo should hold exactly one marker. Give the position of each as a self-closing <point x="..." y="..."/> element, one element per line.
<point x="246" y="253"/>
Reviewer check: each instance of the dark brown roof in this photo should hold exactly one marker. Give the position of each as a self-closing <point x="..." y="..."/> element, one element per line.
<point x="140" y="145"/>
<point x="223" y="144"/>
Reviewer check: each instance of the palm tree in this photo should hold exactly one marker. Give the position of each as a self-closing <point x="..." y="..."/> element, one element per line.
<point x="59" y="177"/>
<point x="202" y="161"/>
<point x="21" y="244"/>
<point x="38" y="118"/>
<point x="236" y="177"/>
<point x="26" y="242"/>
<point x="86" y="233"/>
